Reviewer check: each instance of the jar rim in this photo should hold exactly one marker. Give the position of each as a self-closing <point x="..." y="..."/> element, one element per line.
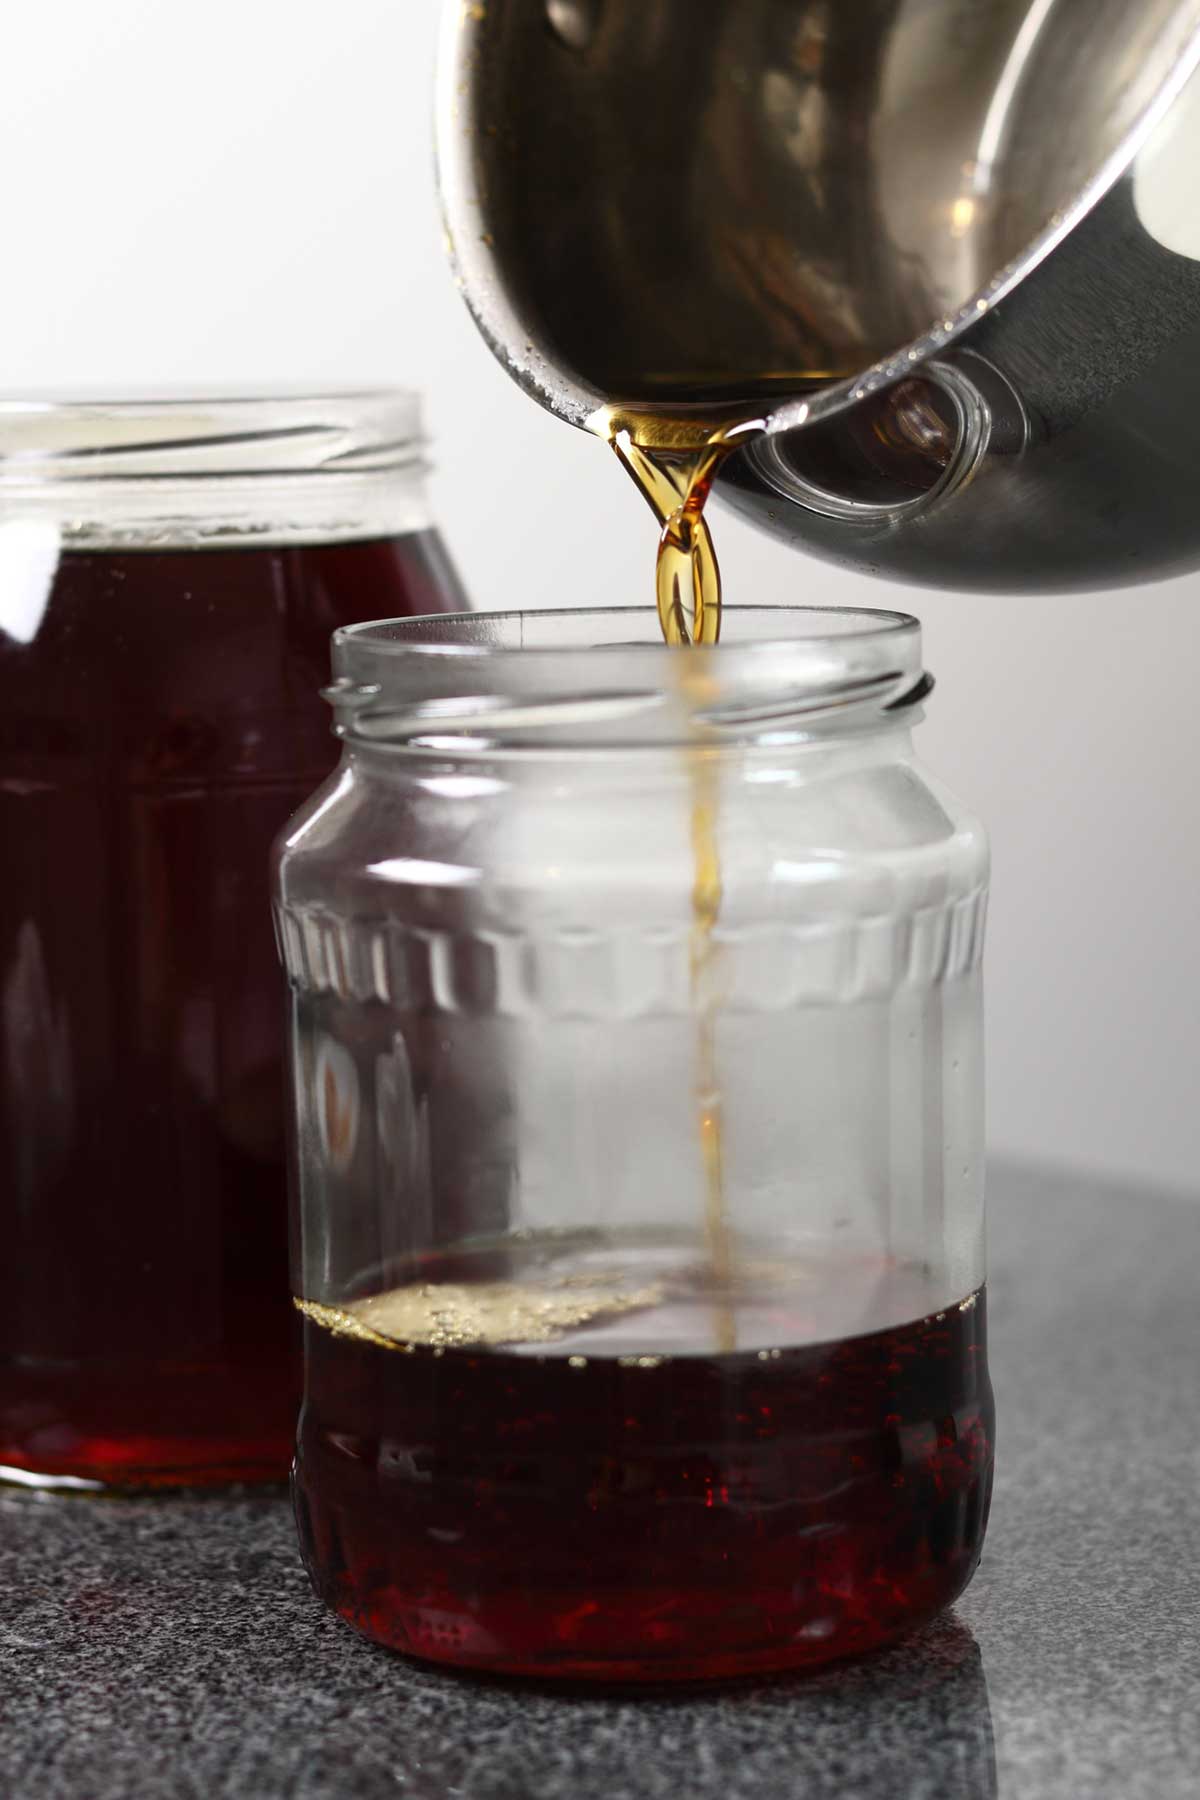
<point x="163" y="472"/>
<point x="484" y="633"/>
<point x="589" y="676"/>
<point x="174" y="436"/>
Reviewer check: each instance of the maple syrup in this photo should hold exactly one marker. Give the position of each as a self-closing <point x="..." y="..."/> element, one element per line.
<point x="156" y="731"/>
<point x="673" y="459"/>
<point x="616" y="1496"/>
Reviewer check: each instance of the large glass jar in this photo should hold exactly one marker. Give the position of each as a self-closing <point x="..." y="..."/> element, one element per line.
<point x="637" y="1076"/>
<point x="169" y="577"/>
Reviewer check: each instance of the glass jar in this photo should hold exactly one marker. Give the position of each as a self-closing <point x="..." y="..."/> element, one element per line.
<point x="637" y="1079"/>
<point x="169" y="576"/>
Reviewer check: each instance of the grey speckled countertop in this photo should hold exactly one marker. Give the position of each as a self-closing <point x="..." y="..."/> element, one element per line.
<point x="173" y="1648"/>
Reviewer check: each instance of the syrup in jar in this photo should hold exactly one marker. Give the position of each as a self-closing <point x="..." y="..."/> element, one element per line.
<point x="647" y="1479"/>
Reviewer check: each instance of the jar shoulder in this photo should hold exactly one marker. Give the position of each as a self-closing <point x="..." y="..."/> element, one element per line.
<point x="876" y="822"/>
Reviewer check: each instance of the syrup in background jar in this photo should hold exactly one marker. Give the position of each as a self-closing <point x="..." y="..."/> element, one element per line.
<point x="170" y="574"/>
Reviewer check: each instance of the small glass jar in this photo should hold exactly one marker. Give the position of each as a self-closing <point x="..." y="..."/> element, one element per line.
<point x="637" y="1073"/>
<point x="170" y="573"/>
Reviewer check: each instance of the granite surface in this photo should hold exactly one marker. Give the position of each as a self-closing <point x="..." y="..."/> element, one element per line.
<point x="172" y="1647"/>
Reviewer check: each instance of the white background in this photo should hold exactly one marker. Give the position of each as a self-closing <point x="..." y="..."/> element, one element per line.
<point x="240" y="192"/>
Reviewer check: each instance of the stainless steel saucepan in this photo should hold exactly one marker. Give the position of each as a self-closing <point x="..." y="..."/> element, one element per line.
<point x="949" y="248"/>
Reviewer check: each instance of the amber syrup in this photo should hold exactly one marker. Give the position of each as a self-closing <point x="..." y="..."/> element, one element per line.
<point x="156" y="731"/>
<point x="647" y="1516"/>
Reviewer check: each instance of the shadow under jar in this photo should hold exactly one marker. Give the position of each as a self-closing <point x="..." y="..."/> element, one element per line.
<point x="637" y="1085"/>
<point x="170" y="573"/>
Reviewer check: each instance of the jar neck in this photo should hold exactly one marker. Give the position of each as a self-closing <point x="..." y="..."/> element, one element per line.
<point x="460" y="766"/>
<point x="214" y="474"/>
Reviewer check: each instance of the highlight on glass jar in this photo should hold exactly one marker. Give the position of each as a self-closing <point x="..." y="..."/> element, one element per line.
<point x="170" y="572"/>
<point x="636" y="1016"/>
